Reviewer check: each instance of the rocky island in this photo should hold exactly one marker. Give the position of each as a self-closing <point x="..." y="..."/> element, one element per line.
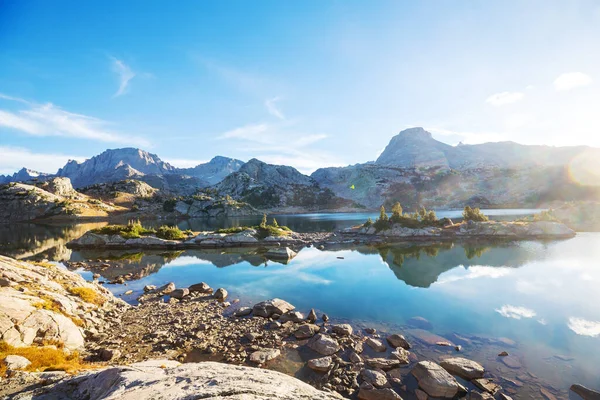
<point x="422" y="227"/>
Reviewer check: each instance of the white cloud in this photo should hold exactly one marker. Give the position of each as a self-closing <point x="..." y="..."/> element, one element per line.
<point x="281" y="144"/>
<point x="571" y="80"/>
<point x="272" y="107"/>
<point x="500" y="99"/>
<point x="50" y="120"/>
<point x="248" y="132"/>
<point x="13" y="159"/>
<point x="515" y="312"/>
<point x="584" y="327"/>
<point x="476" y="272"/>
<point x="184" y="163"/>
<point x="125" y="75"/>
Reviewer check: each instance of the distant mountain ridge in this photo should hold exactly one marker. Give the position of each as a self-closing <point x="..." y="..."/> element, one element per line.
<point x="115" y="165"/>
<point x="414" y="168"/>
<point x="415" y="147"/>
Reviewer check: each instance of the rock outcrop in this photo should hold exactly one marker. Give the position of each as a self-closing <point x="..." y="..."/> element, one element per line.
<point x="22" y="202"/>
<point x="165" y="379"/>
<point x="44" y="303"/>
<point x="267" y="186"/>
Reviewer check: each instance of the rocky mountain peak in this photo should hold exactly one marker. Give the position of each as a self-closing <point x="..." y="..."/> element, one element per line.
<point x="415" y="147"/>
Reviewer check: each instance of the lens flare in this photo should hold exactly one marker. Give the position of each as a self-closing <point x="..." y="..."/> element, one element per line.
<point x="585" y="169"/>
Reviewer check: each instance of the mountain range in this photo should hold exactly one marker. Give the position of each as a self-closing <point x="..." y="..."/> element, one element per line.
<point x="414" y="168"/>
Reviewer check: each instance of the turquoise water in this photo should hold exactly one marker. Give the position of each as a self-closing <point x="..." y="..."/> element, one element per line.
<point x="537" y="300"/>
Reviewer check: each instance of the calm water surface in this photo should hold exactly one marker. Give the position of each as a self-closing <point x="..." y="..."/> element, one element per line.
<point x="537" y="300"/>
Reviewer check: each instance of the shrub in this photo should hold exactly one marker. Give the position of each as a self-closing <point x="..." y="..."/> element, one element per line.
<point x="474" y="214"/>
<point x="233" y="229"/>
<point x="545" y="216"/>
<point x="368" y="223"/>
<point x="169" y="205"/>
<point x="170" y="233"/>
<point x="263" y="223"/>
<point x="43" y="358"/>
<point x="132" y="230"/>
<point x="88" y="295"/>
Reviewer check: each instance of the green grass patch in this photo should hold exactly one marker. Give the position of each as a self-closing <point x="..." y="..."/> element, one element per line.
<point x="170" y="233"/>
<point x="132" y="230"/>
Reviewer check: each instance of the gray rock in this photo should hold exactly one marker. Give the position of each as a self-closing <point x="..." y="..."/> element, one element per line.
<point x="268" y="308"/>
<point x="293" y="316"/>
<point x="395" y="376"/>
<point x="480" y="396"/>
<point x="108" y="354"/>
<point x="306" y="331"/>
<point x="395" y="340"/>
<point x="324" y="344"/>
<point x="280" y="253"/>
<point x="166" y="289"/>
<point x="435" y="380"/>
<point x="463" y="367"/>
<point x="355" y="358"/>
<point x="585" y="393"/>
<point x="375" y="378"/>
<point x="16" y="362"/>
<point x="342" y="329"/>
<point x="180" y="293"/>
<point x="243" y="311"/>
<point x="201" y="288"/>
<point x="221" y="294"/>
<point x="487" y="385"/>
<point x="262" y="356"/>
<point x="383" y="363"/>
<point x="312" y="316"/>
<point x="401" y="355"/>
<point x="376" y="345"/>
<point x="368" y="392"/>
<point x="320" y="364"/>
<point x="421" y="395"/>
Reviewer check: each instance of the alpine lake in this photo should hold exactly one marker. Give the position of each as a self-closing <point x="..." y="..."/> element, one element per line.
<point x="539" y="301"/>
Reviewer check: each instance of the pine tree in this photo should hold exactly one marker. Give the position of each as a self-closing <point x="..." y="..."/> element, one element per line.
<point x="275" y="224"/>
<point x="382" y="215"/>
<point x="263" y="223"/>
<point x="397" y="210"/>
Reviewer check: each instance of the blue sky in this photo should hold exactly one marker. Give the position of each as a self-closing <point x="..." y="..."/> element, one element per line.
<point x="308" y="84"/>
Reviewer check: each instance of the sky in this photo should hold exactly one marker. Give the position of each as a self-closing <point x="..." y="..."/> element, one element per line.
<point x="309" y="84"/>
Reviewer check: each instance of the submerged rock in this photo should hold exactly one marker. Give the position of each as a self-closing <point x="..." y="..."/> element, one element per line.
<point x="262" y="356"/>
<point x="585" y="393"/>
<point x="396" y="340"/>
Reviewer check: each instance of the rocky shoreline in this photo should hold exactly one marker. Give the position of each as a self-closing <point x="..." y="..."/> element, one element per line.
<point x="197" y="325"/>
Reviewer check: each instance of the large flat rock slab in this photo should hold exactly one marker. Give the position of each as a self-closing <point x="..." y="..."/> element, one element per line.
<point x="164" y="379"/>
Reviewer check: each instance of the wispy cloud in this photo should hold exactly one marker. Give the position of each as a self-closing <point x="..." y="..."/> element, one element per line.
<point x="271" y="105"/>
<point x="503" y="98"/>
<point x="282" y="144"/>
<point x="50" y="120"/>
<point x="515" y="312"/>
<point x="13" y="159"/>
<point x="584" y="327"/>
<point x="571" y="80"/>
<point x="125" y="74"/>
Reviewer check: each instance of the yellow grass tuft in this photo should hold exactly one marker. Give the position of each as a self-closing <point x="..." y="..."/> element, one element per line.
<point x="88" y="295"/>
<point x="45" y="358"/>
